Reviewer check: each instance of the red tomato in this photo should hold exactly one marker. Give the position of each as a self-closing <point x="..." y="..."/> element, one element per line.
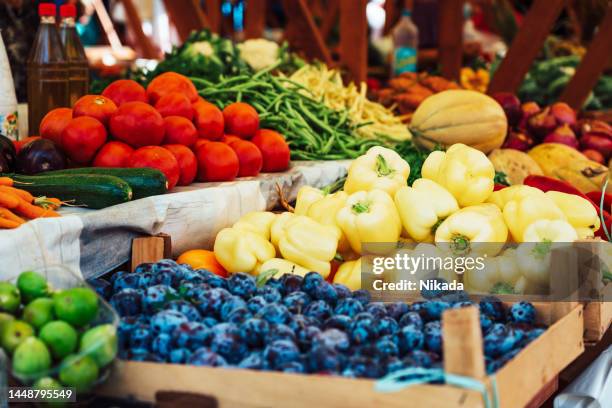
<point x="187" y="162"/>
<point x="229" y="138"/>
<point x="82" y="138"/>
<point x="275" y="150"/>
<point x="53" y="124"/>
<point x="241" y="119"/>
<point x="96" y="106"/>
<point x="174" y="104"/>
<point x="170" y="82"/>
<point x="198" y="143"/>
<point x="208" y="120"/>
<point x="125" y="90"/>
<point x="180" y="131"/>
<point x="137" y="124"/>
<point x="249" y="157"/>
<point x="113" y="154"/>
<point x="157" y="157"/>
<point x="216" y="162"/>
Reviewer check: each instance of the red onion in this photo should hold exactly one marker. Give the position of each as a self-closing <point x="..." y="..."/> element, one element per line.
<point x="564" y="135"/>
<point x="511" y="105"/>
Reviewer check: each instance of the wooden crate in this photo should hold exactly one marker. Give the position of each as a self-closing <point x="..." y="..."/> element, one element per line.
<point x="598" y="317"/>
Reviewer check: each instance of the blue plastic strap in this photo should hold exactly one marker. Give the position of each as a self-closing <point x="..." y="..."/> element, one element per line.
<point x="414" y="376"/>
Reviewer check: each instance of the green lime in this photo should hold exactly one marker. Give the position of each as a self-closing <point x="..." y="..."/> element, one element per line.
<point x="60" y="337"/>
<point x="32" y="285"/>
<point x="100" y="343"/>
<point x="10" y="298"/>
<point x="79" y="372"/>
<point x="39" y="312"/>
<point x="77" y="306"/>
<point x="4" y="319"/>
<point x="31" y="358"/>
<point x="49" y="383"/>
<point x="13" y="333"/>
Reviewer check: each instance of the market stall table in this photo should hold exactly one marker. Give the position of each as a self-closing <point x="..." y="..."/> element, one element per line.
<point x="94" y="242"/>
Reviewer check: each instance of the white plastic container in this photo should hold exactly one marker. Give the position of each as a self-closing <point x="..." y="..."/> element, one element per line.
<point x="9" y="125"/>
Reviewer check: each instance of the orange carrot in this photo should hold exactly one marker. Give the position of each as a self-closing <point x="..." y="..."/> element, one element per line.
<point x="9" y="215"/>
<point x="33" y="211"/>
<point x="6" y="181"/>
<point x="48" y="202"/>
<point x="8" y="200"/>
<point x="8" y="224"/>
<point x="21" y="193"/>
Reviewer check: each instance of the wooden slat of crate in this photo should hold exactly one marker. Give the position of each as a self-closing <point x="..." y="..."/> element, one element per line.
<point x="598" y="316"/>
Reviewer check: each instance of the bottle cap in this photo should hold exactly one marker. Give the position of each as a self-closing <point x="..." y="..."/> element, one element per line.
<point x="68" y="10"/>
<point x="47" y="9"/>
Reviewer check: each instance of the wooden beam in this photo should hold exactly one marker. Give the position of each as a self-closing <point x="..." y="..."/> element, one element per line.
<point x="186" y="16"/>
<point x="135" y="25"/>
<point x="450" y="37"/>
<point x="330" y="19"/>
<point x="213" y="13"/>
<point x="302" y="33"/>
<point x="462" y="345"/>
<point x="526" y="45"/>
<point x="592" y="65"/>
<point x="354" y="38"/>
<point x="255" y="19"/>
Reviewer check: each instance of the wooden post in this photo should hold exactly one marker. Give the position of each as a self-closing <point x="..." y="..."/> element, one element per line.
<point x="592" y="65"/>
<point x="450" y="37"/>
<point x="462" y="346"/>
<point x="150" y="249"/>
<point x="354" y="38"/>
<point x="329" y="19"/>
<point x="302" y="32"/>
<point x="255" y="19"/>
<point x="526" y="45"/>
<point x="135" y="24"/>
<point x="213" y="13"/>
<point x="187" y="16"/>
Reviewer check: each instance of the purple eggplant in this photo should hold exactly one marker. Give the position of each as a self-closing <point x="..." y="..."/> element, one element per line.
<point x="8" y="154"/>
<point x="39" y="156"/>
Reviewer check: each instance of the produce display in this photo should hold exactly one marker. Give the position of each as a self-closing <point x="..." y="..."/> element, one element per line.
<point x="54" y="338"/>
<point x="547" y="78"/>
<point x="298" y="324"/>
<point x="455" y="194"/>
<point x="18" y="205"/>
<point x="376" y="121"/>
<point x="409" y="90"/>
<point x="563" y="147"/>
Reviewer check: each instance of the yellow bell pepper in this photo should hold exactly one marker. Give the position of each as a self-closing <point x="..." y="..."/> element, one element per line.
<point x="550" y="231"/>
<point x="519" y="213"/>
<point x="501" y="197"/>
<point x="579" y="213"/>
<point x="277" y="230"/>
<point x="465" y="172"/>
<point x="369" y="217"/>
<point x="423" y="207"/>
<point x="349" y="274"/>
<point x="309" y="244"/>
<point x="325" y="210"/>
<point x="380" y="168"/>
<point x="482" y="281"/>
<point x="283" y="267"/>
<point x="258" y="222"/>
<point x="477" y="229"/>
<point x="306" y="196"/>
<point x="239" y="250"/>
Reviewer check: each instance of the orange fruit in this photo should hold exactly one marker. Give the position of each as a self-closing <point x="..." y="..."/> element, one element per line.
<point x="202" y="259"/>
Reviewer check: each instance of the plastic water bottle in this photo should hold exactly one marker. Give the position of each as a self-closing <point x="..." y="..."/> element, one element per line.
<point x="8" y="101"/>
<point x="405" y="36"/>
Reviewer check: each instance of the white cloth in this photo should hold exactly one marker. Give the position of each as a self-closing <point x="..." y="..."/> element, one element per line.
<point x="93" y="242"/>
<point x="593" y="388"/>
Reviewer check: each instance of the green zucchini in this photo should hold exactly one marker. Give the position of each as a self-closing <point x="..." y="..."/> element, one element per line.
<point x="90" y="191"/>
<point x="145" y="182"/>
